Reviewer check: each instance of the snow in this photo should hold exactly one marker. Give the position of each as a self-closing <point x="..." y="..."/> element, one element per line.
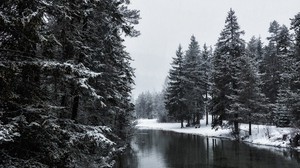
<point x="261" y="134"/>
<point x="78" y="68"/>
<point x="94" y="134"/>
<point x="8" y="133"/>
<point x="83" y="74"/>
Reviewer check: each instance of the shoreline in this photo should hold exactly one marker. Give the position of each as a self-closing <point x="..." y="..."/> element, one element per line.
<point x="262" y="135"/>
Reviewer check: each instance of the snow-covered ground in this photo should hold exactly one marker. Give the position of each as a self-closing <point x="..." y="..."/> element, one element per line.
<point x="261" y="134"/>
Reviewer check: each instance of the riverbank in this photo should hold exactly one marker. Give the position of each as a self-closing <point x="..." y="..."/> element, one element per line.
<point x="261" y="134"/>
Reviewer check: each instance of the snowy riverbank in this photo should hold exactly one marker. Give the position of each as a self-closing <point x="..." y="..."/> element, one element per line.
<point x="261" y="134"/>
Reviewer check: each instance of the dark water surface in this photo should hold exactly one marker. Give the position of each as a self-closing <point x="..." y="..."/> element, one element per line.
<point x="163" y="149"/>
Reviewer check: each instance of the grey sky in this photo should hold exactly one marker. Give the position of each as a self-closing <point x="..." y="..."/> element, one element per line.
<point x="167" y="23"/>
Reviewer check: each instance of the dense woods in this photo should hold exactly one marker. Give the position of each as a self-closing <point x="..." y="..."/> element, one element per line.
<point x="238" y="81"/>
<point x="65" y="82"/>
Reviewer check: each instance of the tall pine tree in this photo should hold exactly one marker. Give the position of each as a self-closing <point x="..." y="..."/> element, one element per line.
<point x="174" y="99"/>
<point x="193" y="82"/>
<point x="295" y="83"/>
<point x="229" y="48"/>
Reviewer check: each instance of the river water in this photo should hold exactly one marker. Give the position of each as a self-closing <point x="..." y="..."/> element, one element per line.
<point x="163" y="149"/>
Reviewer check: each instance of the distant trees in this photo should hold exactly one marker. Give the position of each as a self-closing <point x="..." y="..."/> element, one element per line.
<point x="65" y="81"/>
<point x="150" y="105"/>
<point x="144" y="106"/>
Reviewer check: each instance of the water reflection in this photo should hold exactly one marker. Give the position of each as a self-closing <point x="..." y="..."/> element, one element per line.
<point x="161" y="149"/>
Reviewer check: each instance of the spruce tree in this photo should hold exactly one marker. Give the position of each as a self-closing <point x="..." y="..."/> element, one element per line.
<point x="193" y="82"/>
<point x="63" y="67"/>
<point x="270" y="67"/>
<point x="295" y="82"/>
<point x="175" y="101"/>
<point x="283" y="104"/>
<point x="229" y="48"/>
<point x="206" y="70"/>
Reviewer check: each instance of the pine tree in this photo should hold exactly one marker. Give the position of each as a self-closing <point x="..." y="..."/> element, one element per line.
<point x="144" y="106"/>
<point x="255" y="50"/>
<point x="174" y="99"/>
<point x="64" y="65"/>
<point x="260" y="111"/>
<point x="271" y="67"/>
<point x="193" y="82"/>
<point x="19" y="41"/>
<point x="206" y="70"/>
<point x="283" y="109"/>
<point x="229" y="49"/>
<point x="295" y="82"/>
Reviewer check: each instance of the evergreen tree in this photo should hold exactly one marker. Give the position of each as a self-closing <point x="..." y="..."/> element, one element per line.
<point x="159" y="110"/>
<point x="283" y="109"/>
<point x="63" y="66"/>
<point x="295" y="82"/>
<point x="250" y="101"/>
<point x="193" y="82"/>
<point x="21" y="23"/>
<point x="255" y="50"/>
<point x="174" y="99"/>
<point x="144" y="106"/>
<point x="254" y="54"/>
<point x="271" y="64"/>
<point x="229" y="48"/>
<point x="206" y="70"/>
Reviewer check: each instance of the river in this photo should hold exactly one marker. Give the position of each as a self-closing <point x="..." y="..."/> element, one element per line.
<point x="164" y="149"/>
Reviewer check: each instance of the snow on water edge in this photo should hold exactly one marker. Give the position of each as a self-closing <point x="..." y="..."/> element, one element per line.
<point x="261" y="134"/>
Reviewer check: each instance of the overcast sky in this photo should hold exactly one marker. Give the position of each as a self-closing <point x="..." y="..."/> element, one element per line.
<point x="165" y="24"/>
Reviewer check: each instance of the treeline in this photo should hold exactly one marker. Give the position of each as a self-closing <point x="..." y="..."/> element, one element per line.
<point x="238" y="81"/>
<point x="151" y="105"/>
<point x="65" y="82"/>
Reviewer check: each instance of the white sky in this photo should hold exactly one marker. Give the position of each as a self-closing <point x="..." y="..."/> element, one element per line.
<point x="167" y="23"/>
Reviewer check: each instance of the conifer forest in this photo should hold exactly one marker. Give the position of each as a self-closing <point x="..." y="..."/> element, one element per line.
<point x="66" y="82"/>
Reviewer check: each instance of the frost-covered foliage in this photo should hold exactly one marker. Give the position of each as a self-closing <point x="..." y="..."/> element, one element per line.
<point x="63" y="72"/>
<point x="56" y="142"/>
<point x="8" y="133"/>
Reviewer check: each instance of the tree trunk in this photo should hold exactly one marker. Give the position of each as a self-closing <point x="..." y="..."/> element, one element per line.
<point x="206" y="114"/>
<point x="205" y="108"/>
<point x="197" y="118"/>
<point x="197" y="123"/>
<point x="181" y="120"/>
<point x="250" y="133"/>
<point x="236" y="124"/>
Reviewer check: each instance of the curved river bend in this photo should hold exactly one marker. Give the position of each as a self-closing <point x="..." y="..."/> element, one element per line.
<point x="163" y="149"/>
